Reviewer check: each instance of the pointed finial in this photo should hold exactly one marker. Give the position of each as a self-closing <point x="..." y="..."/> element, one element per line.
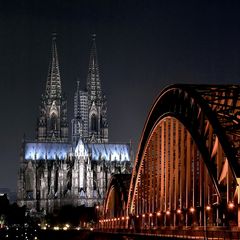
<point x="94" y="36"/>
<point x="93" y="79"/>
<point x="54" y="35"/>
<point x="53" y="84"/>
<point x="78" y="83"/>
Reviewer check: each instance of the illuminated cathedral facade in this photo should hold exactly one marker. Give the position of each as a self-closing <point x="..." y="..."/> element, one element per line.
<point x="56" y="170"/>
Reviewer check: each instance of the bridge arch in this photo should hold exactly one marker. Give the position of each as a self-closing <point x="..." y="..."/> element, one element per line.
<point x="115" y="202"/>
<point x="187" y="167"/>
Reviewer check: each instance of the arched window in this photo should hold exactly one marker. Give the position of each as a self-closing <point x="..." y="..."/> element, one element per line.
<point x="53" y="122"/>
<point x="94" y="123"/>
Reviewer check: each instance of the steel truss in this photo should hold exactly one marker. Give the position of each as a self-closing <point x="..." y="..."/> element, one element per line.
<point x="187" y="167"/>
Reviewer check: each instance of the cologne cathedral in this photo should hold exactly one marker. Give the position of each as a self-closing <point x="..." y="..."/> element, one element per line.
<point x="56" y="169"/>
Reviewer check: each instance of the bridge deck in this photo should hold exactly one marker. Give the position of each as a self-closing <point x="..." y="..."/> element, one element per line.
<point x="200" y="234"/>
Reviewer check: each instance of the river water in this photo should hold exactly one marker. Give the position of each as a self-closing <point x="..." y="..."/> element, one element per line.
<point x="34" y="234"/>
<point x="86" y="235"/>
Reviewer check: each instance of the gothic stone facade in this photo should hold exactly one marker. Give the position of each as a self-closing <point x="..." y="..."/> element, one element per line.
<point x="55" y="171"/>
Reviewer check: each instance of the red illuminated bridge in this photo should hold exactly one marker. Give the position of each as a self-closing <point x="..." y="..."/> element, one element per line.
<point x="187" y="169"/>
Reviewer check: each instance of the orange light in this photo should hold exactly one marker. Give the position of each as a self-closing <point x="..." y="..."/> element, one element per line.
<point x="158" y="214"/>
<point x="168" y="212"/>
<point x="137" y="216"/>
<point x="231" y="205"/>
<point x="127" y="217"/>
<point x="208" y="207"/>
<point x="192" y="209"/>
<point x="179" y="211"/>
<point x="123" y="218"/>
<point x="150" y="214"/>
<point x="143" y="215"/>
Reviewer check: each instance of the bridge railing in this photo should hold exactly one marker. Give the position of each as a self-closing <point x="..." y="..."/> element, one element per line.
<point x="212" y="234"/>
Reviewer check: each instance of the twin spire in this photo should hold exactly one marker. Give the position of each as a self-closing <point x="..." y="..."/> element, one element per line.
<point x="53" y="85"/>
<point x="53" y="123"/>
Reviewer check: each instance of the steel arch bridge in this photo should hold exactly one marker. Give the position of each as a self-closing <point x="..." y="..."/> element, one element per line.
<point x="117" y="195"/>
<point x="187" y="168"/>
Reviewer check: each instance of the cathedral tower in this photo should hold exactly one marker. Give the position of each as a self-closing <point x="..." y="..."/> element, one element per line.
<point x="52" y="123"/>
<point x="90" y="106"/>
<point x="54" y="172"/>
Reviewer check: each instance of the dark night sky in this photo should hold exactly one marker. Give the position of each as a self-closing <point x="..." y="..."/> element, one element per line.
<point x="142" y="47"/>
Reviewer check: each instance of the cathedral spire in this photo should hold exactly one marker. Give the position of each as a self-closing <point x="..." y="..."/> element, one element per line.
<point x="53" y="85"/>
<point x="52" y="123"/>
<point x="93" y="78"/>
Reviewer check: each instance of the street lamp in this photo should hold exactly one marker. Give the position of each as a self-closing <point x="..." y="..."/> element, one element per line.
<point x="208" y="208"/>
<point x="192" y="209"/>
<point x="231" y="205"/>
<point x="150" y="219"/>
<point x="97" y="214"/>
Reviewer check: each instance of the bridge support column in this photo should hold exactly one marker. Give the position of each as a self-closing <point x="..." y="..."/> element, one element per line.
<point x="238" y="214"/>
<point x="238" y="205"/>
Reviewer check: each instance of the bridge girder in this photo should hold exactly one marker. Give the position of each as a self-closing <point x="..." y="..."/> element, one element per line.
<point x="211" y="116"/>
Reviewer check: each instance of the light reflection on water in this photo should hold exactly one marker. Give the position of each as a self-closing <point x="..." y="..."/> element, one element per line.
<point x="80" y="235"/>
<point x="113" y="237"/>
<point x="33" y="234"/>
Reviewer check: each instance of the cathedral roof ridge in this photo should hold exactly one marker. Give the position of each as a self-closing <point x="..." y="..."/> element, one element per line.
<point x="46" y="142"/>
<point x="111" y="143"/>
<point x="109" y="152"/>
<point x="46" y="150"/>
